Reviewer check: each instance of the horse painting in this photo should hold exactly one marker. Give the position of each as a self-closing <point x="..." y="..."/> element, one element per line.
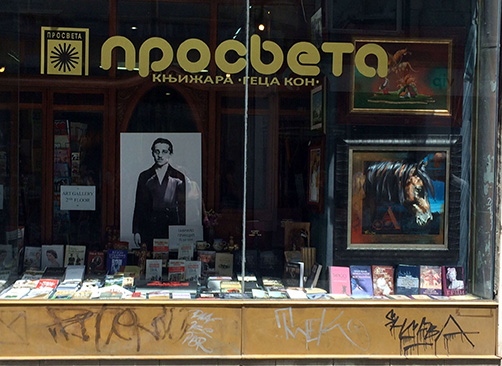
<point x="393" y="197"/>
<point x="406" y="183"/>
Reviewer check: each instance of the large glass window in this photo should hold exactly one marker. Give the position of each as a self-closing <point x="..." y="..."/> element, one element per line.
<point x="342" y="134"/>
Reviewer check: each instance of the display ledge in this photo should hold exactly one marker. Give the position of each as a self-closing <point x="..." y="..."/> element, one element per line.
<point x="248" y="329"/>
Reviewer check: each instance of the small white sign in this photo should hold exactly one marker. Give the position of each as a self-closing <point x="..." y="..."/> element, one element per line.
<point x="184" y="234"/>
<point x="81" y="198"/>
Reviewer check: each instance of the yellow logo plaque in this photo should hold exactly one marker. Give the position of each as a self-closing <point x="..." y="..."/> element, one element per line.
<point x="64" y="51"/>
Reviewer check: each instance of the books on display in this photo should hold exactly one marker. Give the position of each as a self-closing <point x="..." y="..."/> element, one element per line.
<point x="407" y="279"/>
<point x="115" y="259"/>
<point x="430" y="280"/>
<point x="153" y="271"/>
<point x="339" y="280"/>
<point x="361" y="281"/>
<point x="453" y="280"/>
<point x="383" y="280"/>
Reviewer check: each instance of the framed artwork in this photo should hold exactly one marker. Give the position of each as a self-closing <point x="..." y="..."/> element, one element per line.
<point x="316" y="175"/>
<point x="418" y="81"/>
<point x="400" y="199"/>
<point x="317" y="108"/>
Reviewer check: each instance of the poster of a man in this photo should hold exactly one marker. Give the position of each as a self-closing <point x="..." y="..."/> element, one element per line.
<point x="166" y="193"/>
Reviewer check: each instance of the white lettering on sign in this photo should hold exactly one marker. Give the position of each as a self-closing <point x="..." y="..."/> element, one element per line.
<point x="79" y="198"/>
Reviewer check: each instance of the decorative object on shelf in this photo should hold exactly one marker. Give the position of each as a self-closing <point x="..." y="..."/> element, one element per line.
<point x="143" y="254"/>
<point x="210" y="221"/>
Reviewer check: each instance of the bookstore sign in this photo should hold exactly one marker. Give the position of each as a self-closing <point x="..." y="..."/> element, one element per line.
<point x="65" y="51"/>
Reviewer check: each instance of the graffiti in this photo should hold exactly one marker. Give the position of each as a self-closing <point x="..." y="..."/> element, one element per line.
<point x="13" y="323"/>
<point x="124" y="324"/>
<point x="416" y="336"/>
<point x="199" y="331"/>
<point x="352" y="330"/>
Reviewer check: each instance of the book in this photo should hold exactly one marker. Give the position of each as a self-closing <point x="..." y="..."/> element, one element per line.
<point x="153" y="271"/>
<point x="407" y="279"/>
<point x="361" y="282"/>
<point x="115" y="259"/>
<point x="52" y="256"/>
<point x="383" y="280"/>
<point x="224" y="264"/>
<point x="293" y="274"/>
<point x="161" y="250"/>
<point x="208" y="262"/>
<point x="453" y="280"/>
<point x="313" y="277"/>
<point x="15" y="293"/>
<point x="176" y="270"/>
<point x="185" y="251"/>
<point x="95" y="262"/>
<point x="54" y="273"/>
<point x="32" y="258"/>
<point x="74" y="273"/>
<point x="39" y="293"/>
<point x="31" y="274"/>
<point x="339" y="280"/>
<point x="192" y="270"/>
<point x="430" y="280"/>
<point x="74" y="255"/>
<point x="47" y="283"/>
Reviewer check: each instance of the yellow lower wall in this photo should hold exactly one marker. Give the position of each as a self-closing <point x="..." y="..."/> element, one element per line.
<point x="208" y="329"/>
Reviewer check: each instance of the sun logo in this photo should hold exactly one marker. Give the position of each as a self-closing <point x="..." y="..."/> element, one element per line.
<point x="64" y="57"/>
<point x="65" y="51"/>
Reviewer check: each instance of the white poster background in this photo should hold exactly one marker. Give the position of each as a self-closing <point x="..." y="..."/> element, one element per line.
<point x="136" y="156"/>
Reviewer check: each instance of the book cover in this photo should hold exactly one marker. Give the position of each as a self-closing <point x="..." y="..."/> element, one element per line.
<point x="407" y="279"/>
<point x="95" y="262"/>
<point x="383" y="280"/>
<point x="430" y="280"/>
<point x="185" y="251"/>
<point x="32" y="258"/>
<point x="161" y="250"/>
<point x="115" y="259"/>
<point x="313" y="277"/>
<point x="153" y="271"/>
<point x="224" y="264"/>
<point x="15" y="293"/>
<point x="52" y="256"/>
<point x="339" y="280"/>
<point x="192" y="270"/>
<point x="54" y="273"/>
<point x="74" y="273"/>
<point x="293" y="274"/>
<point x="176" y="270"/>
<point x="360" y="280"/>
<point x="208" y="262"/>
<point x="48" y="283"/>
<point x="74" y="255"/>
<point x="453" y="280"/>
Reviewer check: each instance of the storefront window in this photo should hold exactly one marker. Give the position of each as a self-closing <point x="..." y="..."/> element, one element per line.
<point x="336" y="135"/>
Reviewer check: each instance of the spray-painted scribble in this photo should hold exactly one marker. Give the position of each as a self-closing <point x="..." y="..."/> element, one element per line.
<point x="416" y="336"/>
<point x="352" y="330"/>
<point x="199" y="331"/>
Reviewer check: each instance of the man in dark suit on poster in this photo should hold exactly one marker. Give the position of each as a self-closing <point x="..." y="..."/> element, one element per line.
<point x="160" y="197"/>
